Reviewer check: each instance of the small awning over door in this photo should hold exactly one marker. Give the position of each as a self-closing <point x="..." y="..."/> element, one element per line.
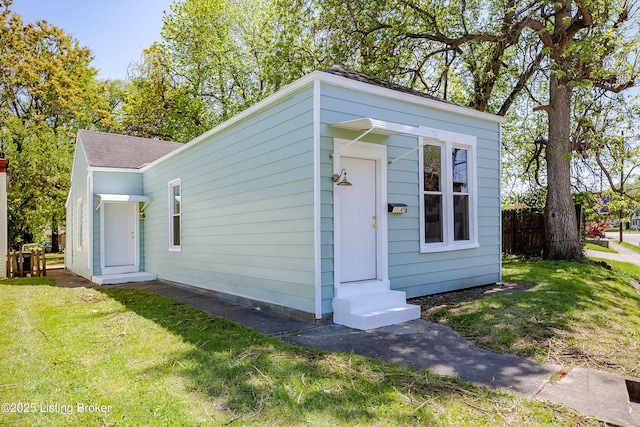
<point x="383" y="127"/>
<point x="121" y="198"/>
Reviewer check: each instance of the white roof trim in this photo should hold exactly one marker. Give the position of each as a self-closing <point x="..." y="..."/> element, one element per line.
<point x="121" y="198"/>
<point x="109" y="169"/>
<point x="337" y="80"/>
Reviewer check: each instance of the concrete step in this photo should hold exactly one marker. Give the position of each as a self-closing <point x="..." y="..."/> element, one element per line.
<point x="377" y="318"/>
<point x="366" y="287"/>
<point x="114" y="279"/>
<point x="370" y="311"/>
<point x="370" y="301"/>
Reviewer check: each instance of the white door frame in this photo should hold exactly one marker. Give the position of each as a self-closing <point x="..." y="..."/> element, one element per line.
<point x="135" y="267"/>
<point x="378" y="153"/>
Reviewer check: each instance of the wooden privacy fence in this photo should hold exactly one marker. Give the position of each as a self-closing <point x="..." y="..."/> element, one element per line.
<point x="26" y="263"/>
<point x="522" y="232"/>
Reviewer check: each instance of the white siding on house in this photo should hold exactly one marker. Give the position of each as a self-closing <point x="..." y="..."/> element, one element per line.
<point x="77" y="256"/>
<point x="409" y="270"/>
<point x="247" y="208"/>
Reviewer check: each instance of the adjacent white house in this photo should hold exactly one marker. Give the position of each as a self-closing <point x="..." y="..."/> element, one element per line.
<point x="259" y="209"/>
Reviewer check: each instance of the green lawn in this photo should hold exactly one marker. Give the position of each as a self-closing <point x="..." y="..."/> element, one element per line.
<point x="55" y="258"/>
<point x="577" y="314"/>
<point x="130" y="358"/>
<point x="596" y="247"/>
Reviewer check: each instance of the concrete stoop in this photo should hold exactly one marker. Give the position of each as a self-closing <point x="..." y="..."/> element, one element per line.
<point x="373" y="311"/>
<point x="609" y="398"/>
<point x="115" y="279"/>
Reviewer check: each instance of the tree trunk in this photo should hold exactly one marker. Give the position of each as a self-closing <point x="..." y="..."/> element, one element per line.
<point x="561" y="225"/>
<point x="54" y="235"/>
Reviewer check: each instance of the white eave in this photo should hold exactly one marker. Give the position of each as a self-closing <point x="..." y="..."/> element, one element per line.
<point x="336" y="80"/>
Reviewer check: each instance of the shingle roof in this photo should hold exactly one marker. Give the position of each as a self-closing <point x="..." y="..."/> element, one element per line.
<point x="121" y="151"/>
<point x="340" y="70"/>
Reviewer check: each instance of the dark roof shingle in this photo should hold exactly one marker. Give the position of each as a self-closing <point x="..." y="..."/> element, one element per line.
<point x="121" y="151"/>
<point x="342" y="71"/>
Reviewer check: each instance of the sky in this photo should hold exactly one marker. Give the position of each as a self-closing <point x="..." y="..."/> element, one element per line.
<point x="116" y="31"/>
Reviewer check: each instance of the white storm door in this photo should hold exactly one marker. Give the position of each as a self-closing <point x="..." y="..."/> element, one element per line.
<point x="358" y="221"/>
<point x="119" y="238"/>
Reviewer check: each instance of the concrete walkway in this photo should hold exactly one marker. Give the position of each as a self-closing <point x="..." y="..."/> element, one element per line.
<point x="422" y="345"/>
<point x="624" y="254"/>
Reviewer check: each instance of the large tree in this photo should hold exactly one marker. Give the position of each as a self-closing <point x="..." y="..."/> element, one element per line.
<point x="486" y="53"/>
<point x="47" y="91"/>
<point x="216" y="58"/>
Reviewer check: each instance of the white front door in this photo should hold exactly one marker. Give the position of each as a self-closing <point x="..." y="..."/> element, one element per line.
<point x="119" y="242"/>
<point x="360" y="227"/>
<point x="358" y="221"/>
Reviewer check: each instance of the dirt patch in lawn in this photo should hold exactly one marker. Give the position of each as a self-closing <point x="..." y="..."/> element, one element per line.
<point x="431" y="303"/>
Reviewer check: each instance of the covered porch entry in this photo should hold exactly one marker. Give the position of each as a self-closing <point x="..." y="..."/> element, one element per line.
<point x="120" y="239"/>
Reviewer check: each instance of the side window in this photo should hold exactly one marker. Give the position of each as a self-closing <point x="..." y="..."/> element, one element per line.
<point x="433" y="194"/>
<point x="460" y="193"/>
<point x="448" y="201"/>
<point x="175" y="210"/>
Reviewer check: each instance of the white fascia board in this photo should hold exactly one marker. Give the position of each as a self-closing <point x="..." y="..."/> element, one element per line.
<point x="106" y="169"/>
<point x="335" y="80"/>
<point x="408" y="97"/>
<point x="282" y="93"/>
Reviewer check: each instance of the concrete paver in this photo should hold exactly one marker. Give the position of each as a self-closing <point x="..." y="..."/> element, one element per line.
<point x="422" y="345"/>
<point x="600" y="394"/>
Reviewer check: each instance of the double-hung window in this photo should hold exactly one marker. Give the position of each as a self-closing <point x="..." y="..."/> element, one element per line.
<point x="175" y="211"/>
<point x="448" y="211"/>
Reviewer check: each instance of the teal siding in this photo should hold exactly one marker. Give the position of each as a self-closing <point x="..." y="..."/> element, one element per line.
<point x="78" y="260"/>
<point x="247" y="202"/>
<point x="113" y="182"/>
<point x="247" y="208"/>
<point x="409" y="270"/>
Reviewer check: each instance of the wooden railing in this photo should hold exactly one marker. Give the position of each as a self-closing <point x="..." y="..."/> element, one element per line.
<point x="26" y="263"/>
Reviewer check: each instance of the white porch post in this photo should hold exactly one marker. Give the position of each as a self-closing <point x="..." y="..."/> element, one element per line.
<point x="3" y="217"/>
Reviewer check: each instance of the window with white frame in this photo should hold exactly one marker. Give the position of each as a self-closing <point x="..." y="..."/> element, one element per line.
<point x="448" y="202"/>
<point x="79" y="224"/>
<point x="175" y="211"/>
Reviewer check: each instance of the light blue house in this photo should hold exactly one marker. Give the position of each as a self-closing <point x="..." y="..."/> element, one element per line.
<point x="259" y="208"/>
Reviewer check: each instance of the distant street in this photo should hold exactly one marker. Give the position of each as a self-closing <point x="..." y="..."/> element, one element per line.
<point x="631" y="238"/>
<point x="623" y="253"/>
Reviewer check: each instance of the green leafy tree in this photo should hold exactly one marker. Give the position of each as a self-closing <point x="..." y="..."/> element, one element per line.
<point x="492" y="52"/>
<point x="47" y="91"/>
<point x="216" y="58"/>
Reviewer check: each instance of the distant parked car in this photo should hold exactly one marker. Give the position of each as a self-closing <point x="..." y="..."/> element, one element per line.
<point x="595" y="234"/>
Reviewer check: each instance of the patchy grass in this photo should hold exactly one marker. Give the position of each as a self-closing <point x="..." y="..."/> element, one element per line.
<point x="128" y="357"/>
<point x="626" y="268"/>
<point x="577" y="314"/>
<point x="596" y="247"/>
<point x="55" y="258"/>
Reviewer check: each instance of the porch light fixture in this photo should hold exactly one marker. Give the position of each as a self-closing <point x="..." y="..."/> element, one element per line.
<point x="343" y="175"/>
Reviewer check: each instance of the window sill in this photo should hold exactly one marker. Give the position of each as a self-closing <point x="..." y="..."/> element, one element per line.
<point x="426" y="249"/>
<point x="175" y="248"/>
